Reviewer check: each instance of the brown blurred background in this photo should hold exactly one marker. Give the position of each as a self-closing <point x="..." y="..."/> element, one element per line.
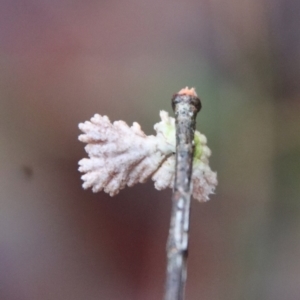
<point x="62" y="61"/>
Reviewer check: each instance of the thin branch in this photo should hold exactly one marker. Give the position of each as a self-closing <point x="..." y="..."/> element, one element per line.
<point x="186" y="105"/>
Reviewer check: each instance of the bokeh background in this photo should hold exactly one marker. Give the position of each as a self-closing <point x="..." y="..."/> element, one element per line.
<point x="62" y="61"/>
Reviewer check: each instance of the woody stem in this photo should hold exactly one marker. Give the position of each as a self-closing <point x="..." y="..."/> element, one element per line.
<point x="186" y="107"/>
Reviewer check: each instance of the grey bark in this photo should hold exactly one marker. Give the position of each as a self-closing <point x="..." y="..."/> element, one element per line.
<point x="186" y="108"/>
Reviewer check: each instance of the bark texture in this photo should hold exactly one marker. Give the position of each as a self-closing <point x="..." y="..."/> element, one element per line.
<point x="186" y="105"/>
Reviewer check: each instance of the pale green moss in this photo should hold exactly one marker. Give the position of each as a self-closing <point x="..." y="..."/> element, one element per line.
<point x="198" y="146"/>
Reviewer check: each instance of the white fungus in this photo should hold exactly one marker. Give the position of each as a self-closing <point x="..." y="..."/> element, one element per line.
<point x="120" y="155"/>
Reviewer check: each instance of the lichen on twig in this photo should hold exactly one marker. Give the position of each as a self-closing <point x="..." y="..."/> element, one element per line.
<point x="119" y="155"/>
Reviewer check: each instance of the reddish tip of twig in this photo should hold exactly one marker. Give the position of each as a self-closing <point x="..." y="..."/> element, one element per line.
<point x="187" y="91"/>
<point x="188" y="96"/>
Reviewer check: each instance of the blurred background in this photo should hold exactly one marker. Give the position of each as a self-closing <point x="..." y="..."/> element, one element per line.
<point x="63" y="61"/>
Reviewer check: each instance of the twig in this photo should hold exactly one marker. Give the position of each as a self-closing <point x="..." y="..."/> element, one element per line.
<point x="186" y="105"/>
